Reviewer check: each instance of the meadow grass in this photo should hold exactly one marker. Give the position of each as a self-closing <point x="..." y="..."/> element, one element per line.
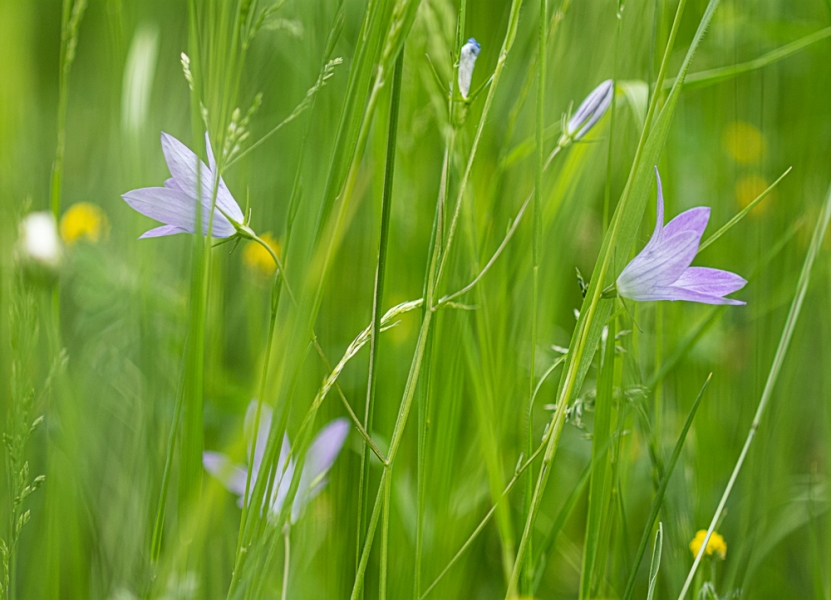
<point x="432" y="260"/>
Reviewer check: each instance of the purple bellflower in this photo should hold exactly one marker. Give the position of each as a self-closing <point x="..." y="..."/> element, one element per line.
<point x="662" y="270"/>
<point x="319" y="459"/>
<point x="175" y="203"/>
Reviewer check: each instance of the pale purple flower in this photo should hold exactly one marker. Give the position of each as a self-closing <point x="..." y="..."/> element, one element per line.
<point x="175" y="203"/>
<point x="319" y="459"/>
<point x="590" y="111"/>
<point x="467" y="60"/>
<point x="662" y="270"/>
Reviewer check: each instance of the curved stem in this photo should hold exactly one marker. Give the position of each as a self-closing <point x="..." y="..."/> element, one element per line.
<point x="277" y="262"/>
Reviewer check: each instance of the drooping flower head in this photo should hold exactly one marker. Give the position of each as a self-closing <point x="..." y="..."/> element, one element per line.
<point x="715" y="545"/>
<point x="320" y="456"/>
<point x="589" y="112"/>
<point x="467" y="60"/>
<point x="662" y="270"/>
<point x="175" y="204"/>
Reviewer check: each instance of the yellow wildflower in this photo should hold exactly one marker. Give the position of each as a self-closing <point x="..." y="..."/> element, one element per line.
<point x="744" y="142"/>
<point x="748" y="188"/>
<point x="84" y="221"/>
<point x="258" y="258"/>
<point x="715" y="545"/>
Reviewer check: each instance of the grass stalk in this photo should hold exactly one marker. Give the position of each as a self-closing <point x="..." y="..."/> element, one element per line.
<point x="622" y="231"/>
<point x="536" y="251"/>
<point x="773" y="376"/>
<point x="378" y="295"/>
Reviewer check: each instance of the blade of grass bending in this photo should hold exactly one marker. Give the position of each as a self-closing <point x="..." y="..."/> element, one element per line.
<point x="620" y="236"/>
<point x="773" y="375"/>
<point x="656" y="561"/>
<point x="659" y="495"/>
<point x="741" y="214"/>
<point x="711" y="76"/>
<point x="378" y="296"/>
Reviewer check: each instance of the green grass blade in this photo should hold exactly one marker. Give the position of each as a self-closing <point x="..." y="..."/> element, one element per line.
<point x="659" y="495"/>
<point x="773" y="374"/>
<point x="655" y="564"/>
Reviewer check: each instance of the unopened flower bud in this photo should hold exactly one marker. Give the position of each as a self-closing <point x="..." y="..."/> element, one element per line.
<point x="467" y="60"/>
<point x="590" y="111"/>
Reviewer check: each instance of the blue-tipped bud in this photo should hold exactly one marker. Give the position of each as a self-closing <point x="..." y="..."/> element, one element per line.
<point x="590" y="111"/>
<point x="467" y="60"/>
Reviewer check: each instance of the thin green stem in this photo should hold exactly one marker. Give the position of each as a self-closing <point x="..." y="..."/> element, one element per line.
<point x="519" y="472"/>
<point x="508" y="42"/>
<point x="385" y="539"/>
<point x="536" y="251"/>
<point x="773" y="376"/>
<point x="378" y="296"/>
<point x="582" y="334"/>
<point x="158" y="526"/>
<point x="286" y="562"/>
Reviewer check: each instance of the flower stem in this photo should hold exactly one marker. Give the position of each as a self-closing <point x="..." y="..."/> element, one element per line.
<point x="377" y="303"/>
<point x="286" y="559"/>
<point x="773" y="376"/>
<point x="536" y="251"/>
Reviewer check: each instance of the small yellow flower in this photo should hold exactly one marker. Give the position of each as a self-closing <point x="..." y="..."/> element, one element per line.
<point x="84" y="221"/>
<point x="715" y="545"/>
<point x="258" y="259"/>
<point x="748" y="188"/>
<point x="744" y="142"/>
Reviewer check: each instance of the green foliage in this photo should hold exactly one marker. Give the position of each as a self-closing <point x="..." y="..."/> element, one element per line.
<point x="513" y="431"/>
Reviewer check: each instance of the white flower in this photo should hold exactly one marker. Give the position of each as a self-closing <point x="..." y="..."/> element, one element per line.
<point x="39" y="241"/>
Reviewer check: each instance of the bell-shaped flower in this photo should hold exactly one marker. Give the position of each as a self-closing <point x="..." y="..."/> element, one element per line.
<point x="467" y="60"/>
<point x="589" y="112"/>
<point x="319" y="459"/>
<point x="662" y="270"/>
<point x="175" y="204"/>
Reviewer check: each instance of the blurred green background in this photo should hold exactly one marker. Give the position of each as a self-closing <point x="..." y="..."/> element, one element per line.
<point x="124" y="303"/>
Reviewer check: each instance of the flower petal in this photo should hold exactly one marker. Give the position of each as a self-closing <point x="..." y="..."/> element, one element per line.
<point x="694" y="219"/>
<point x="169" y="206"/>
<point x="162" y="231"/>
<point x="230" y="474"/>
<point x="282" y="478"/>
<point x="319" y="459"/>
<point x="181" y="162"/>
<point x="710" y="281"/>
<point x="174" y="207"/>
<point x="673" y="293"/>
<point x="262" y="432"/>
<point x="171" y="183"/>
<point x="657" y="266"/>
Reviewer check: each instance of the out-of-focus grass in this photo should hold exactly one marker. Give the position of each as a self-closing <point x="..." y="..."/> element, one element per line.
<point x="125" y="304"/>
